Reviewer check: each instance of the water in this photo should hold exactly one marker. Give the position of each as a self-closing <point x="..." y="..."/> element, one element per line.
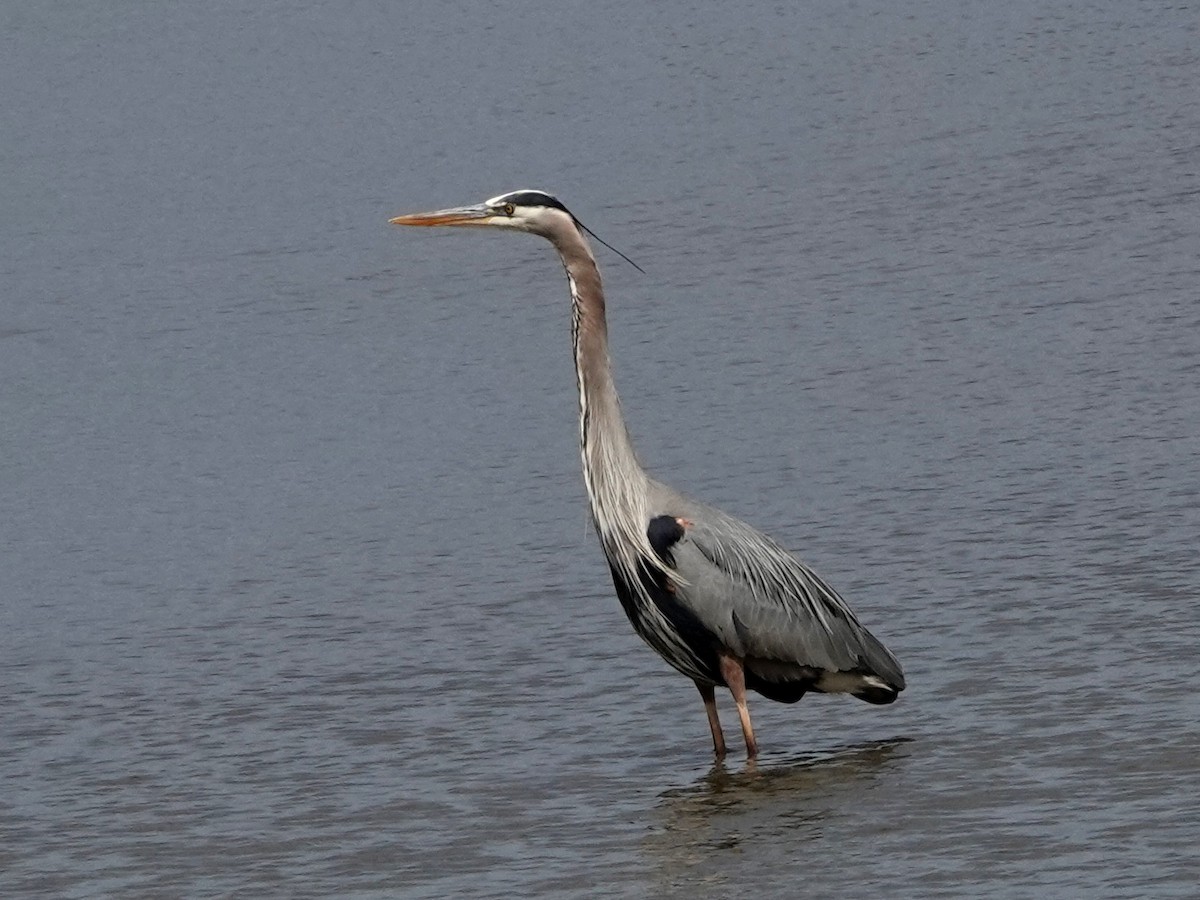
<point x="298" y="596"/>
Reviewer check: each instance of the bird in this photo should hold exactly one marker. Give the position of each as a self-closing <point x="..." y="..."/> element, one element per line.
<point x="720" y="601"/>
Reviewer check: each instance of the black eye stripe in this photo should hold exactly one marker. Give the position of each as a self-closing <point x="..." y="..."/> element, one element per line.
<point x="534" y="198"/>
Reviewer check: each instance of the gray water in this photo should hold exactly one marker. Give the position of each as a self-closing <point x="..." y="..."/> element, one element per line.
<point x="297" y="591"/>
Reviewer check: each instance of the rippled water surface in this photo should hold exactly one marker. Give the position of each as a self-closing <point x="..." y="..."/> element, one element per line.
<point x="298" y="595"/>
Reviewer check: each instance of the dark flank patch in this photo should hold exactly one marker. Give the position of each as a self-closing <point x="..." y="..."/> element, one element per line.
<point x="663" y="533"/>
<point x="785" y="692"/>
<point x="877" y="695"/>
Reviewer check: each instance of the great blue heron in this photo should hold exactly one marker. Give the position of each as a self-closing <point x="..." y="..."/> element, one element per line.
<point x="721" y="602"/>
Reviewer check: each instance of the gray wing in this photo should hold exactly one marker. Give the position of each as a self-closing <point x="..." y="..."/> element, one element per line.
<point x="762" y="603"/>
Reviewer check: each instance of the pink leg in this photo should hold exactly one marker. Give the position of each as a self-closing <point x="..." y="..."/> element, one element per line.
<point x="735" y="677"/>
<point x="708" y="693"/>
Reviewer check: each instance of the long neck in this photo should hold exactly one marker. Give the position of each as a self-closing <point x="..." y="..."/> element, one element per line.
<point x="615" y="480"/>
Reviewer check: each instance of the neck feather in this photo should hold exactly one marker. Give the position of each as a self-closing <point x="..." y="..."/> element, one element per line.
<point x="616" y="483"/>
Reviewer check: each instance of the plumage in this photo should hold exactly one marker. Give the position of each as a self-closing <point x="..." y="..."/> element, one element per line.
<point x="765" y="606"/>
<point x="721" y="602"/>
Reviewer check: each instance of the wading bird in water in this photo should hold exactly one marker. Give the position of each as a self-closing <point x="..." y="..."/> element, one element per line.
<point x="721" y="602"/>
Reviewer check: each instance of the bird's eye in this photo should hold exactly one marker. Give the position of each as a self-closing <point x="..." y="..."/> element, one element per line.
<point x="509" y="209"/>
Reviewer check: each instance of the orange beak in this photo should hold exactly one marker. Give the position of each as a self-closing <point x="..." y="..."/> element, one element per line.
<point x="461" y="215"/>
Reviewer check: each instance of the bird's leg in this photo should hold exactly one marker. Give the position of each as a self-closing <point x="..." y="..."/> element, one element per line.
<point x="735" y="676"/>
<point x="709" y="695"/>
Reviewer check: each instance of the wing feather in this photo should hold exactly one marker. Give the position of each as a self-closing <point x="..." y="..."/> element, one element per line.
<point x="763" y="603"/>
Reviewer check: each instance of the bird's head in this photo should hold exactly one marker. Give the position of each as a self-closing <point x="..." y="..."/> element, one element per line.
<point x="533" y="211"/>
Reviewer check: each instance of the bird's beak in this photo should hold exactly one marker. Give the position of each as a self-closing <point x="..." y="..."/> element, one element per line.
<point x="460" y="215"/>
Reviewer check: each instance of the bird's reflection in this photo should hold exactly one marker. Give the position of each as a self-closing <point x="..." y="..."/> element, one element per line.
<point x="728" y="809"/>
<point x="791" y="774"/>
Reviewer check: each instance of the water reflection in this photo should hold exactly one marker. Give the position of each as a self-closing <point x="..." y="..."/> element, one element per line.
<point x="726" y="813"/>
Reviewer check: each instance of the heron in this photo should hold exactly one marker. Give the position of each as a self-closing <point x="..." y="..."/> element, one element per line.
<point x="720" y="601"/>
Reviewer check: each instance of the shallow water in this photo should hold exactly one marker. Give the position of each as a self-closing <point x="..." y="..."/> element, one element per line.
<point x="299" y="596"/>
